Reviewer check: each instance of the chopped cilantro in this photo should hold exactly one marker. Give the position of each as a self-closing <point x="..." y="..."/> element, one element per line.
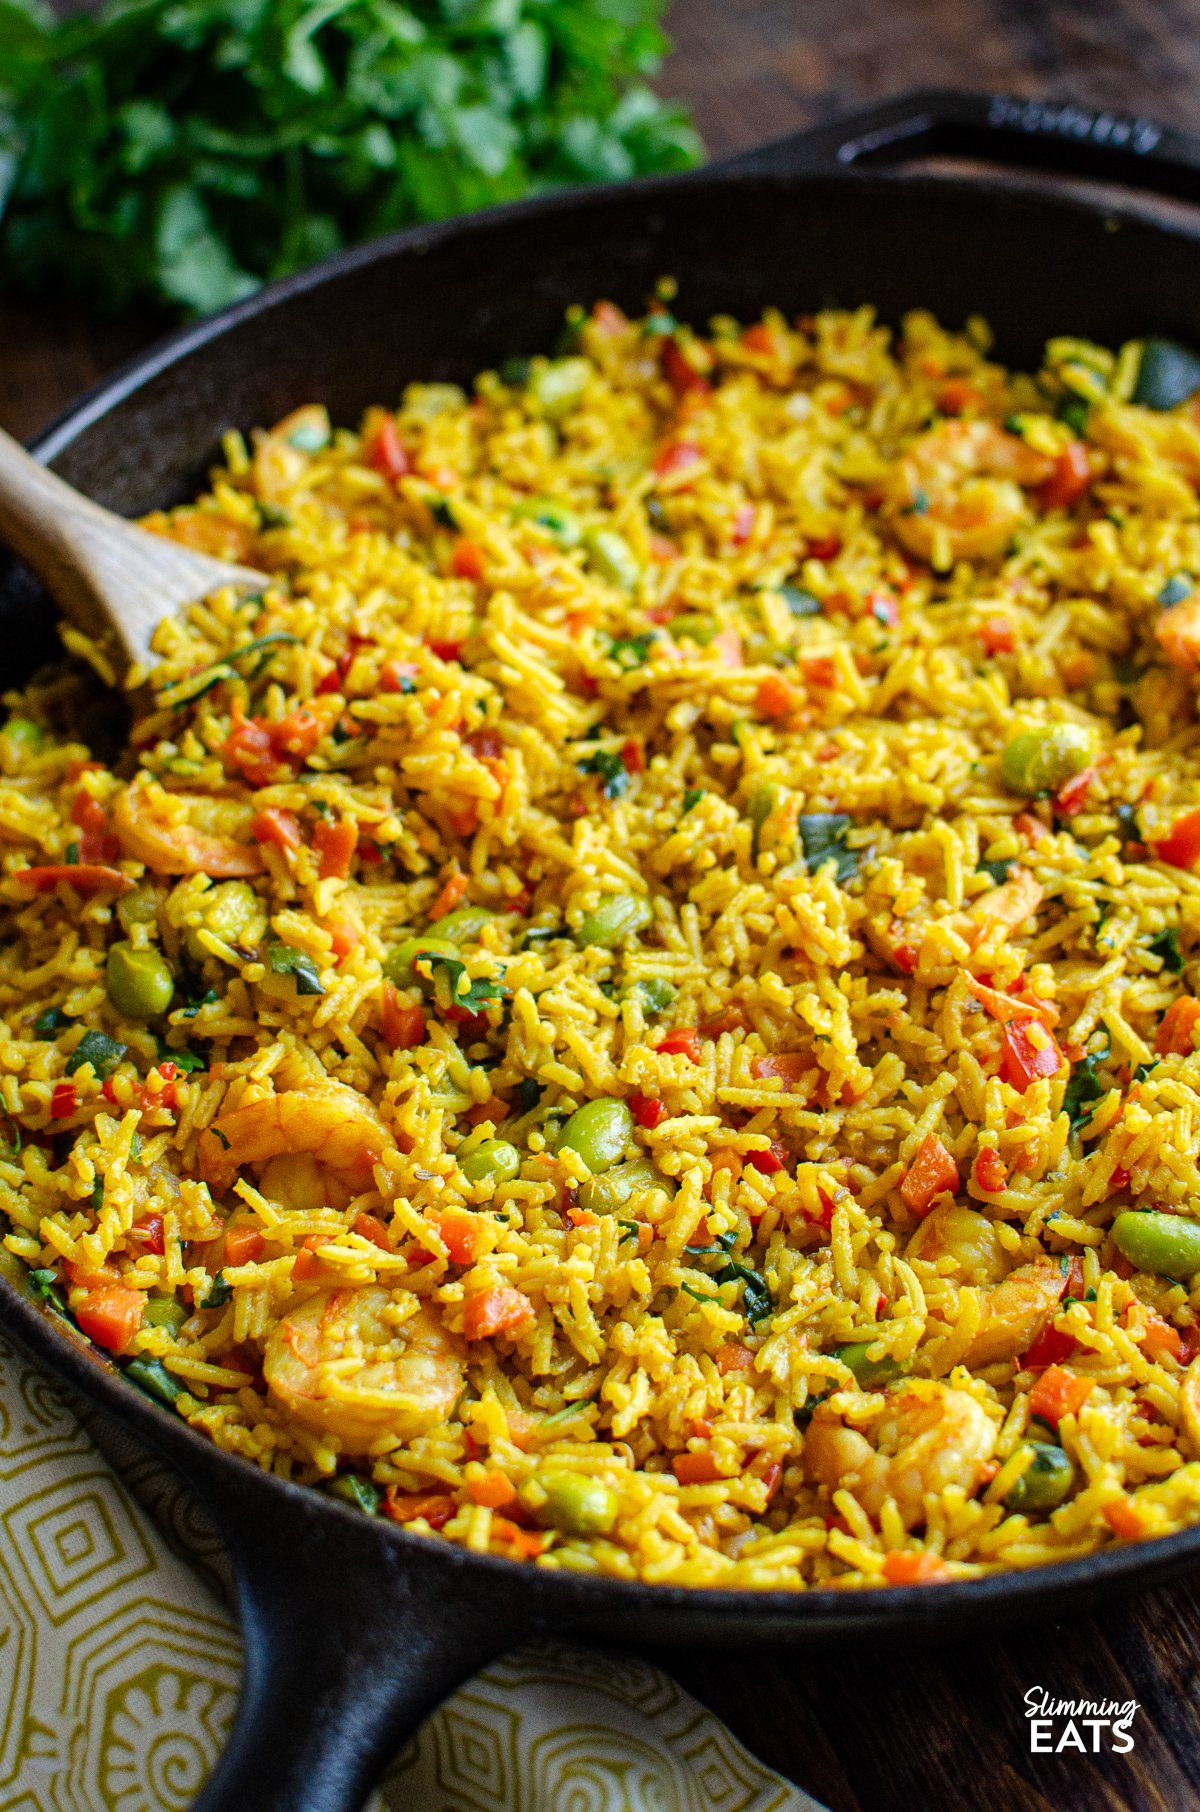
<point x="220" y="1291"/>
<point x="207" y="999"/>
<point x="48" y="1023"/>
<point x="630" y="651"/>
<point x="611" y="769"/>
<point x="1177" y="588"/>
<point x="1083" y="1090"/>
<point x="801" y="603"/>
<point x="692" y="797"/>
<point x="823" y="839"/>
<point x="449" y="976"/>
<point x="43" y="1284"/>
<point x="185" y="1061"/>
<point x="357" y="1491"/>
<point x="1166" y="945"/>
<point x="527" y="1095"/>
<point x="442" y="511"/>
<point x="999" y="871"/>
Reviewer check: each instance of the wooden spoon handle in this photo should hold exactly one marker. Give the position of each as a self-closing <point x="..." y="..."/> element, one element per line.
<point x="109" y="576"/>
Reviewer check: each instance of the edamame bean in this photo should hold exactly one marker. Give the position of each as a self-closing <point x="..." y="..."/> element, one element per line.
<point x="164" y="1312"/>
<point x="598" y="1132"/>
<point x="1041" y="759"/>
<point x="654" y="993"/>
<point x="870" y="1373"/>
<point x="1046" y="1481"/>
<point x="571" y="1501"/>
<point x="613" y="919"/>
<point x="557" y="384"/>
<point x="606" y="1194"/>
<point x="139" y="982"/>
<point x="1166" y="1245"/>
<point x="561" y="522"/>
<point x="613" y="558"/>
<point x="462" y="926"/>
<point x="398" y="964"/>
<point x="495" y="1161"/>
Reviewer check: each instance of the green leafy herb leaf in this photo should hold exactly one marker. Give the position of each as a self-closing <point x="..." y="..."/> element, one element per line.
<point x="1177" y="588"/>
<point x="1166" y="945"/>
<point x="823" y="839"/>
<point x="692" y="797"/>
<point x="611" y="769"/>
<point x="1083" y="1090"/>
<point x="152" y="1376"/>
<point x="50" y="1023"/>
<point x="220" y="1291"/>
<point x="999" y="871"/>
<point x="455" y="988"/>
<point x="801" y="603"/>
<point x="98" y="1049"/>
<point x="632" y="651"/>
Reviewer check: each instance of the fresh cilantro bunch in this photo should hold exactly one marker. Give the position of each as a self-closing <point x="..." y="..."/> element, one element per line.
<point x="187" y="150"/>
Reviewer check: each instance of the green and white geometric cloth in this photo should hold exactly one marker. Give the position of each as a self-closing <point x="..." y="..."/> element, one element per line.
<point x="119" y="1662"/>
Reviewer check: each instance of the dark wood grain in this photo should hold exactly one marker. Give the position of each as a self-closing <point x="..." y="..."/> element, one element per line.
<point x="889" y="1729"/>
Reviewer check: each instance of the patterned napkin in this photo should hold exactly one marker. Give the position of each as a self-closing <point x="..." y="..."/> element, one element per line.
<point x="119" y="1662"/>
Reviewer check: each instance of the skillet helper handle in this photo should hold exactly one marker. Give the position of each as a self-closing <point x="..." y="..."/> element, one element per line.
<point x="1008" y="130"/>
<point x="351" y="1637"/>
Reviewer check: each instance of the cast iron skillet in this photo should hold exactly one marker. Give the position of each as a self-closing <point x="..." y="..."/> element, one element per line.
<point x="353" y="1629"/>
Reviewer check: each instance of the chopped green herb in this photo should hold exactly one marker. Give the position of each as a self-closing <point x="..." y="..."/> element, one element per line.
<point x="823" y="839"/>
<point x="691" y="798"/>
<point x="44" y="1285"/>
<point x="632" y="1231"/>
<point x="527" y="1095"/>
<point x="999" y="871"/>
<point x="285" y="959"/>
<point x="611" y="769"/>
<point x="630" y="651"/>
<point x="541" y="934"/>
<point x="48" y="1023"/>
<point x="1083" y="1090"/>
<point x="185" y="1061"/>
<point x="98" y="1195"/>
<point x="1127" y="819"/>
<point x="1143" y="1070"/>
<point x="442" y="511"/>
<point x="655" y="993"/>
<point x="220" y="1291"/>
<point x="1074" y="411"/>
<point x="98" y="1049"/>
<point x="515" y="372"/>
<point x="449" y="977"/>
<point x="1166" y="945"/>
<point x="357" y="1491"/>
<point x="207" y="999"/>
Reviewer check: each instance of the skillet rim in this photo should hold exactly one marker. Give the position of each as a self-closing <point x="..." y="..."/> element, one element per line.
<point x="584" y="1598"/>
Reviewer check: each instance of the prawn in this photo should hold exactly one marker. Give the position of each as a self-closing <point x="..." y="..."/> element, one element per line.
<point x="957" y="492"/>
<point x="313" y="1134"/>
<point x="1016" y="1313"/>
<point x="340" y="1365"/>
<point x="1178" y="633"/>
<point x="182" y="833"/>
<point x="1014" y="901"/>
<point x="929" y="1438"/>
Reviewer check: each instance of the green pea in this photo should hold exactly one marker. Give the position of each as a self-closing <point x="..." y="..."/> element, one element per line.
<point x="138" y="908"/>
<point x="1041" y="759"/>
<point x="613" y="558"/>
<point x="654" y="993"/>
<point x="140" y="982"/>
<point x="495" y="1161"/>
<point x="164" y="1312"/>
<point x="1166" y="1245"/>
<point x="398" y="963"/>
<point x="1046" y="1481"/>
<point x="234" y="913"/>
<point x="462" y="926"/>
<point x="699" y="629"/>
<point x="614" y="919"/>
<point x="557" y="384"/>
<point x="572" y="1502"/>
<point x="869" y="1372"/>
<point x="23" y="736"/>
<point x="598" y="1131"/>
<point x="561" y="522"/>
<point x="610" y="1192"/>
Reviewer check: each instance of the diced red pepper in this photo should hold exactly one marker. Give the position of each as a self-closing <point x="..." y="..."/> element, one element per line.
<point x="1028" y="1050"/>
<point x="1051" y="1347"/>
<point x="464" y="1236"/>
<point x="1176" y="1033"/>
<point x="732" y="1358"/>
<point x="933" y="1172"/>
<point x="768" y="1162"/>
<point x="148" y="1232"/>
<point x="991" y="1172"/>
<point x="760" y="338"/>
<point x="957" y="394"/>
<point x="677" y="457"/>
<point x="388" y="453"/>
<point x="684" y="1043"/>
<point x="446" y="651"/>
<point x="111" y="1316"/>
<point x="997" y="635"/>
<point x="633" y="756"/>
<point x="694" y="1468"/>
<point x="500" y="1310"/>
<point x="393" y="674"/>
<point x="63" y="1101"/>
<point x="1181" y="845"/>
<point x="680" y="373"/>
<point x="911" y="1566"/>
<point x="335" y="843"/>
<point x="467" y="561"/>
<point x="789" y="1066"/>
<point x="1057" y="1393"/>
<point x="743" y="524"/>
<point x="820" y="670"/>
<point x="84" y="877"/>
<point x="436" y="1507"/>
<point x="1124" y="1520"/>
<point x="369" y="1226"/>
<point x="401" y="1021"/>
<point x="646" y="1111"/>
<point x="824" y="547"/>
<point x="278" y="826"/>
<point x="1070" y="479"/>
<point x="1072" y="795"/>
<point x="1160" y="1336"/>
<point x="242" y="1246"/>
<point x="774" y="697"/>
<point x="307" y="1263"/>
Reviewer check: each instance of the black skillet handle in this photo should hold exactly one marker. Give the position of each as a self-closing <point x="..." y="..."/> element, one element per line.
<point x="351" y="1637"/>
<point x="1004" y="129"/>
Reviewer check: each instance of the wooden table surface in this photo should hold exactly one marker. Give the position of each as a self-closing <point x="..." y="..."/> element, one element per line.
<point x="896" y="1728"/>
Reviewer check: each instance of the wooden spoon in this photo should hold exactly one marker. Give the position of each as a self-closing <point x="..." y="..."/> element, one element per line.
<point x="113" y="579"/>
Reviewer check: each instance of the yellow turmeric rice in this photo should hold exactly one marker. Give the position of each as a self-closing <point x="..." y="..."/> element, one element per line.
<point x="635" y="1008"/>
